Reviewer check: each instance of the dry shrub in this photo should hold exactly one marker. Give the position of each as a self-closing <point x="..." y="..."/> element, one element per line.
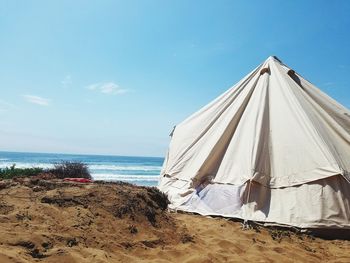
<point x="67" y="169"/>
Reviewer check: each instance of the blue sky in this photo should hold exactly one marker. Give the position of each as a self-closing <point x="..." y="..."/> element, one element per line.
<point x="114" y="77"/>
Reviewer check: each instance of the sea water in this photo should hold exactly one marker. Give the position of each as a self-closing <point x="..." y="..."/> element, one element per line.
<point x="136" y="170"/>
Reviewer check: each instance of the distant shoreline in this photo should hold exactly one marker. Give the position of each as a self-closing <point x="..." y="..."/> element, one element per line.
<point x="82" y="154"/>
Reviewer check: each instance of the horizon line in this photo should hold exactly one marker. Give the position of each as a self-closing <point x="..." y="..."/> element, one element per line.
<point x="87" y="154"/>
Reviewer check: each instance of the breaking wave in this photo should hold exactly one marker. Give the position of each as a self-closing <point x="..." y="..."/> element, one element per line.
<point x="26" y="165"/>
<point x="124" y="167"/>
<point x="123" y="177"/>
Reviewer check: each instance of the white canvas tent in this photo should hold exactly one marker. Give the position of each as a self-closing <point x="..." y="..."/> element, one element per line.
<point x="273" y="149"/>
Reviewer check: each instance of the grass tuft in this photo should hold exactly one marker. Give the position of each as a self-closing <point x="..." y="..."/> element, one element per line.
<point x="64" y="169"/>
<point x="12" y="172"/>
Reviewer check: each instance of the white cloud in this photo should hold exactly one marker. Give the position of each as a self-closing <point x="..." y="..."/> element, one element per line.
<point x="36" y="100"/>
<point x="67" y="81"/>
<point x="5" y="106"/>
<point x="109" y="88"/>
<point x="93" y="86"/>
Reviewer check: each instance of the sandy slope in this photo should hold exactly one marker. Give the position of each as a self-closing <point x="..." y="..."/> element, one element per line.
<point x="54" y="221"/>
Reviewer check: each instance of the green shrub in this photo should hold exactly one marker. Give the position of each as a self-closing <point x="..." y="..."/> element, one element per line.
<point x="61" y="170"/>
<point x="12" y="171"/>
<point x="68" y="169"/>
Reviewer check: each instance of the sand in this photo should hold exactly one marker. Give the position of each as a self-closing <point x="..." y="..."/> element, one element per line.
<point x="56" y="221"/>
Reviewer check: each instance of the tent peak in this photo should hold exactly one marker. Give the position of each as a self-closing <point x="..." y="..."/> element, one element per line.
<point x="274" y="58"/>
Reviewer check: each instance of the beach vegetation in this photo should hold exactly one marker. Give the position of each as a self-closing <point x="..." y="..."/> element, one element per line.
<point x="61" y="170"/>
<point x="13" y="171"/>
<point x="68" y="169"/>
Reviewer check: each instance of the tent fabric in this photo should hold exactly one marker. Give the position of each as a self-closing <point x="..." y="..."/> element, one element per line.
<point x="273" y="148"/>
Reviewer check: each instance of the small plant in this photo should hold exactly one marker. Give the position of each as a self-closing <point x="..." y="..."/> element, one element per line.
<point x="67" y="169"/>
<point x="12" y="171"/>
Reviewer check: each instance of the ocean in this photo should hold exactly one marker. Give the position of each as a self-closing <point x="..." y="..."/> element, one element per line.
<point x="137" y="170"/>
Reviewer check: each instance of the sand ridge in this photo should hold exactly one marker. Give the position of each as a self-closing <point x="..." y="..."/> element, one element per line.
<point x="56" y="221"/>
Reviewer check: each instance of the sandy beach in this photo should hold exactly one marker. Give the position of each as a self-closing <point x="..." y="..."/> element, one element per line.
<point x="57" y="221"/>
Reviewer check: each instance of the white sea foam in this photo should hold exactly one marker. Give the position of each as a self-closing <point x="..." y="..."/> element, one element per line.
<point x="124" y="177"/>
<point x="124" y="167"/>
<point x="26" y="165"/>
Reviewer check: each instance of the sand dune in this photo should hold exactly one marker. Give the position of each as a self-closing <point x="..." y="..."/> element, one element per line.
<point x="55" y="221"/>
